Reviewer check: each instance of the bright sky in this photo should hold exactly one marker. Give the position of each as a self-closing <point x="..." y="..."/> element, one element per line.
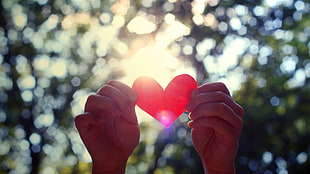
<point x="155" y="59"/>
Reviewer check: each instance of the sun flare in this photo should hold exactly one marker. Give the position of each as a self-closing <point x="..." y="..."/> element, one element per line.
<point x="150" y="61"/>
<point x="154" y="57"/>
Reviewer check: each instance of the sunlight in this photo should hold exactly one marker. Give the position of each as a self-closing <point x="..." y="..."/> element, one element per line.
<point x="155" y="58"/>
<point x="155" y="62"/>
<point x="275" y="3"/>
<point x="150" y="61"/>
<point x="221" y="65"/>
<point x="59" y="68"/>
<point x="141" y="25"/>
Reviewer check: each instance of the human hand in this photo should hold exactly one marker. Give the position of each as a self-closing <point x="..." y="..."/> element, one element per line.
<point x="109" y="127"/>
<point x="216" y="125"/>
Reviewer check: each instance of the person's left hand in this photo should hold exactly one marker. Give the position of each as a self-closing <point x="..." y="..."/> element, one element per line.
<point x="109" y="127"/>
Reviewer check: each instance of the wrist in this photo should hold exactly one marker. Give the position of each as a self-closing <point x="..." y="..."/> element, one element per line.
<point x="219" y="170"/>
<point x="102" y="169"/>
<point x="214" y="165"/>
<point x="230" y="171"/>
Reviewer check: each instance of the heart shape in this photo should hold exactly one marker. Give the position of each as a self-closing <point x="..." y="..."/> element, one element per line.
<point x="164" y="105"/>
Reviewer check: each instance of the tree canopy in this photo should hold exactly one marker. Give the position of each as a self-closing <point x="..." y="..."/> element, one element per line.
<point x="53" y="54"/>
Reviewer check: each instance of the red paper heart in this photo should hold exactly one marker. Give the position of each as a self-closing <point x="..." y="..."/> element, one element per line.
<point x="164" y="105"/>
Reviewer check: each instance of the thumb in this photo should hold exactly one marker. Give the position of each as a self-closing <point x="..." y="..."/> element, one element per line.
<point x="85" y="124"/>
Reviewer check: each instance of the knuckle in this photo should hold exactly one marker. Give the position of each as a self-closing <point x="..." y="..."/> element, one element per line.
<point x="104" y="89"/>
<point x="222" y="87"/>
<point x="111" y="82"/>
<point x="242" y="112"/>
<point x="78" y="119"/>
<point x="220" y="96"/>
<point x="239" y="123"/>
<point x="222" y="106"/>
<point x="90" y="98"/>
<point x="220" y="84"/>
<point x="107" y="88"/>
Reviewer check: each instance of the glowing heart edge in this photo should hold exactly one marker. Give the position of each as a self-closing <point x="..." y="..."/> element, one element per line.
<point x="164" y="105"/>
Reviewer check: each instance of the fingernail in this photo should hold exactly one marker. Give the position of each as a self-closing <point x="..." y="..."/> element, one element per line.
<point x="190" y="124"/>
<point x="190" y="116"/>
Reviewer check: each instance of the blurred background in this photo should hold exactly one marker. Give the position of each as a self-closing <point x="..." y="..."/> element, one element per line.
<point x="54" y="53"/>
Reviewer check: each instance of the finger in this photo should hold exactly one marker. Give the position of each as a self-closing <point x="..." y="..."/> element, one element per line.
<point x="221" y="127"/>
<point x="215" y="96"/>
<point x="209" y="87"/>
<point x="221" y="110"/>
<point x="122" y="101"/>
<point x="130" y="115"/>
<point x="116" y="96"/>
<point x="97" y="103"/>
<point x="84" y="122"/>
<point x="124" y="89"/>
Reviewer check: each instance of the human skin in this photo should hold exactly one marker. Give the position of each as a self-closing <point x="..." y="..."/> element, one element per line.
<point x="216" y="125"/>
<point x="109" y="127"/>
<point x="110" y="131"/>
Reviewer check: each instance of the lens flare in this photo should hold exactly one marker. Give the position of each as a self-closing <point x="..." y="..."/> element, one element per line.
<point x="166" y="118"/>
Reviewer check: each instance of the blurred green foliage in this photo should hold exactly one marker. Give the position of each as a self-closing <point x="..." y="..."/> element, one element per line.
<point x="55" y="53"/>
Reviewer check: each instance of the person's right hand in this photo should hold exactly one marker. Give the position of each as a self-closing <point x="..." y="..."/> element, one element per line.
<point x="216" y="125"/>
<point x="109" y="127"/>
